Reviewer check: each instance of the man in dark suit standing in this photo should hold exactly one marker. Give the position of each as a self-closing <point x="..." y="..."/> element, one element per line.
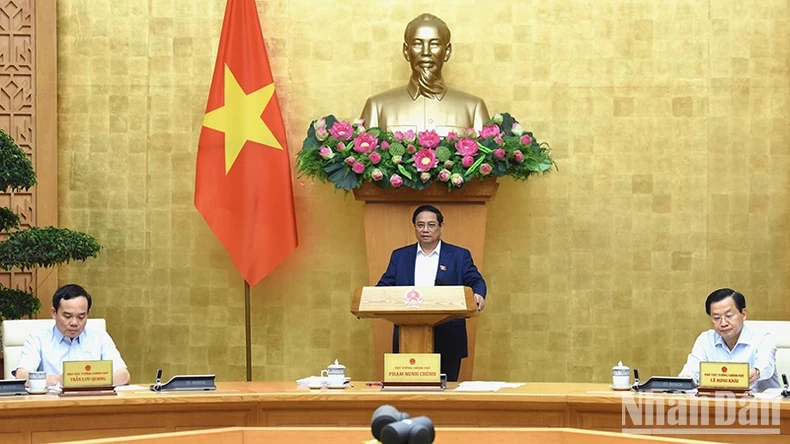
<point x="432" y="262"/>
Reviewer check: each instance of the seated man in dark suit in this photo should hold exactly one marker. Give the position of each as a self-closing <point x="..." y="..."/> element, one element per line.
<point x="431" y="262"/>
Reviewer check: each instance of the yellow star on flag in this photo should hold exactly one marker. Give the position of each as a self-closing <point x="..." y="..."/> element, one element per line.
<point x="240" y="118"/>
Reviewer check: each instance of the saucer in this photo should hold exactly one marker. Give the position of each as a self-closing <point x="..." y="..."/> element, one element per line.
<point x="620" y="389"/>
<point x="330" y="386"/>
<point x="37" y="392"/>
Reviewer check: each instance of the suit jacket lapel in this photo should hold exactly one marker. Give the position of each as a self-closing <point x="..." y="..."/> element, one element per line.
<point x="411" y="262"/>
<point x="444" y="259"/>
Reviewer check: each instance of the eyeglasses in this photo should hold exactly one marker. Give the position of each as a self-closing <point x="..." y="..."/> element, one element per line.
<point x="430" y="225"/>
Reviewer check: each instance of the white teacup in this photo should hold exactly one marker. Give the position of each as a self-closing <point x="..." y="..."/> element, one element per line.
<point x="333" y="379"/>
<point x="335" y="374"/>
<point x="37" y="381"/>
<point x="621" y="376"/>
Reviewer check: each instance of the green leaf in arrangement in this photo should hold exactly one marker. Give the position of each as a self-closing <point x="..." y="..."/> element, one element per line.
<point x="343" y="178"/>
<point x="405" y="172"/>
<point x="475" y="166"/>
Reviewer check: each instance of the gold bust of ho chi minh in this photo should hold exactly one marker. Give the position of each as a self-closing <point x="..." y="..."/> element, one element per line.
<point x="426" y="103"/>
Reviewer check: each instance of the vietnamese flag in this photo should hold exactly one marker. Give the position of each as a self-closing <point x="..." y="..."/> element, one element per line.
<point x="243" y="180"/>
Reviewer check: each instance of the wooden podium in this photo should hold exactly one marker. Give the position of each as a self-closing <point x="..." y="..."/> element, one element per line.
<point x="415" y="309"/>
<point x="387" y="214"/>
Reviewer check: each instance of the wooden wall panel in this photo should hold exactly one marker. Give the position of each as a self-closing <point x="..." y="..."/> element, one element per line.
<point x="28" y="112"/>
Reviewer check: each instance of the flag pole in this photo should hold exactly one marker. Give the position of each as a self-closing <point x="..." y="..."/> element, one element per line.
<point x="247" y="329"/>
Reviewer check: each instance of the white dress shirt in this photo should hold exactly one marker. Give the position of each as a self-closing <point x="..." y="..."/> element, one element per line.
<point x="426" y="266"/>
<point x="47" y="349"/>
<point x="758" y="349"/>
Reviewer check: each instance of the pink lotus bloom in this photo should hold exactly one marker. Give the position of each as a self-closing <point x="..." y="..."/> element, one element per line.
<point x="365" y="143"/>
<point x="320" y="123"/>
<point x="485" y="169"/>
<point x="358" y="167"/>
<point x="466" y="147"/>
<point x="350" y="160"/>
<point x="385" y="145"/>
<point x="498" y="140"/>
<point x="396" y="181"/>
<point x="411" y="149"/>
<point x="457" y="179"/>
<point x="470" y="132"/>
<point x="518" y="155"/>
<point x="452" y="136"/>
<point x="397" y="159"/>
<point x="377" y="175"/>
<point x="424" y="160"/>
<point x="517" y="129"/>
<point x="425" y="177"/>
<point x="449" y="164"/>
<point x="341" y="146"/>
<point x="467" y="161"/>
<point x="342" y="130"/>
<point x="326" y="153"/>
<point x="444" y="175"/>
<point x="499" y="154"/>
<point x="429" y="139"/>
<point x="526" y="140"/>
<point x="490" y="131"/>
<point x="375" y="158"/>
<point x="399" y="136"/>
<point x="321" y="133"/>
<point x="498" y="118"/>
<point x="408" y="136"/>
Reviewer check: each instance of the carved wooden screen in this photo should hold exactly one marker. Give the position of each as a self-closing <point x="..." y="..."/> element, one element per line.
<point x="28" y="110"/>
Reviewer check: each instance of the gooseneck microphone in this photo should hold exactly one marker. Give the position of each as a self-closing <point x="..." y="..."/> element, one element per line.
<point x="786" y="390"/>
<point x="158" y="385"/>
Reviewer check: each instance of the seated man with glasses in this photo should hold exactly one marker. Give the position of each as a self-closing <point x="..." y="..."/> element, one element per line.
<point x="732" y="341"/>
<point x="432" y="262"/>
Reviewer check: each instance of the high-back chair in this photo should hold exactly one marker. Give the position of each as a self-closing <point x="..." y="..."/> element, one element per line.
<point x="780" y="330"/>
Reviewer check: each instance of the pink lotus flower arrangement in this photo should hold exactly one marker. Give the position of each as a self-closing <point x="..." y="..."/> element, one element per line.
<point x="417" y="159"/>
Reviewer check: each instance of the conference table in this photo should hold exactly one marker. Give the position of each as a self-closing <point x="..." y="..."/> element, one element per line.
<point x="50" y="418"/>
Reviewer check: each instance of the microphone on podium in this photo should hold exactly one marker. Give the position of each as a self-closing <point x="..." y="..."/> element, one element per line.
<point x="785" y="390"/>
